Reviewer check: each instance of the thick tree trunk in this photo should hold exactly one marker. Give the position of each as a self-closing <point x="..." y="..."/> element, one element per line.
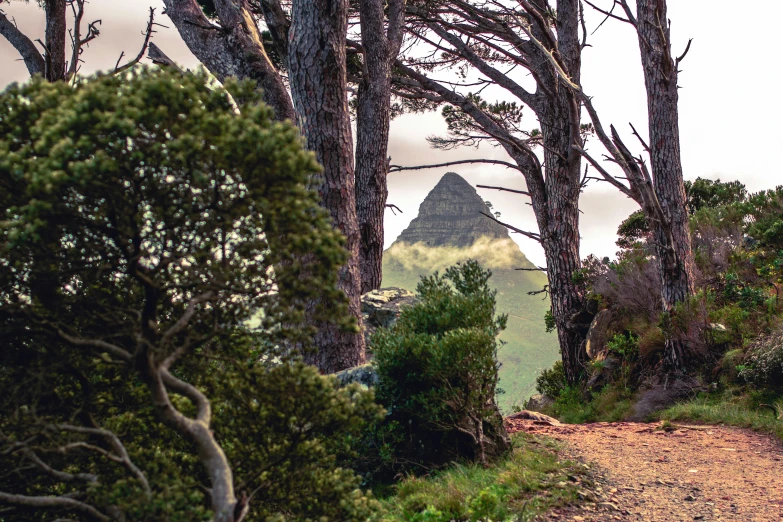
<point x="233" y="49"/>
<point x="561" y="238"/>
<point x="372" y="140"/>
<point x="660" y="77"/>
<point x="559" y="116"/>
<point x="316" y="58"/>
<point x="55" y="40"/>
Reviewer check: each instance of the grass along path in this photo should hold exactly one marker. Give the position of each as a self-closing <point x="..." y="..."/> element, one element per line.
<point x="521" y="487"/>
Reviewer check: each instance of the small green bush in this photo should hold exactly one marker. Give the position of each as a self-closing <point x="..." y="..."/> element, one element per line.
<point x="437" y="372"/>
<point x="624" y="345"/>
<point x="764" y="363"/>
<point x="552" y="381"/>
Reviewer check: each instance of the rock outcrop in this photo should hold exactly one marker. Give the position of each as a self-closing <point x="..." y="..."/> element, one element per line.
<point x="381" y="308"/>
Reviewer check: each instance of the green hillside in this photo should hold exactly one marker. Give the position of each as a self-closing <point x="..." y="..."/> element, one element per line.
<point x="529" y="348"/>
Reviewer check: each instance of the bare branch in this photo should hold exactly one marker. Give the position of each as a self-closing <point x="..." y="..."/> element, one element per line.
<point x="120" y="453"/>
<point x="605" y="174"/>
<point x="503" y="189"/>
<point x="113" y="349"/>
<point x="685" y="53"/>
<point x="59" y="475"/>
<point x="492" y="73"/>
<point x="609" y="14"/>
<point x="179" y="325"/>
<point x="628" y="12"/>
<point x="147" y="36"/>
<point x="77" y="42"/>
<point x="639" y="137"/>
<point x="52" y="502"/>
<point x="531" y="235"/>
<point x="394" y="208"/>
<point x="398" y="168"/>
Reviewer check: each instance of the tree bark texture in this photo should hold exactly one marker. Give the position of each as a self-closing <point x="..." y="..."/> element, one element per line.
<point x="660" y="78"/>
<point x="54" y="56"/>
<point x="559" y="115"/>
<point x="231" y="49"/>
<point x="372" y="132"/>
<point x="316" y="59"/>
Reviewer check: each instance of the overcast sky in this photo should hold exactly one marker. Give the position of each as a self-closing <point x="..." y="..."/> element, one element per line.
<point x="730" y="111"/>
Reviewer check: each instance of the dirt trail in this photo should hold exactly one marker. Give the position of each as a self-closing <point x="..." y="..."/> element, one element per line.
<point x="641" y="473"/>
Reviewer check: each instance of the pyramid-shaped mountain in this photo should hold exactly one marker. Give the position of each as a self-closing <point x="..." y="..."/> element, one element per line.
<point x="451" y="215"/>
<point x="450" y="228"/>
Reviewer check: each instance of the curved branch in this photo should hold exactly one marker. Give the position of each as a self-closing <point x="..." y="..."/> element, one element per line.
<point x="181" y="323"/>
<point x="147" y="36"/>
<point x="120" y="454"/>
<point x="52" y="502"/>
<point x="113" y="349"/>
<point x="25" y="47"/>
<point x="56" y="473"/>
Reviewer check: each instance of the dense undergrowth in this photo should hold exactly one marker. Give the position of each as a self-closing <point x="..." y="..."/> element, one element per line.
<point x="519" y="487"/>
<point x="733" y="326"/>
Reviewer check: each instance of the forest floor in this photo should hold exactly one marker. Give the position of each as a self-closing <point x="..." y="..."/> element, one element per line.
<point x="662" y="472"/>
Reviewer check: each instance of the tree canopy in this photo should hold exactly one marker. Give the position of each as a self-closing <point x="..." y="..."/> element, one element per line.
<point x="159" y="246"/>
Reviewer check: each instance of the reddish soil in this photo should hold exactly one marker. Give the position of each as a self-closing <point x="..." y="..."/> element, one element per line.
<point x="639" y="472"/>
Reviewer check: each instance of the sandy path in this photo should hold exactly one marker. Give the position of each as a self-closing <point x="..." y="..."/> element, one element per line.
<point x="697" y="473"/>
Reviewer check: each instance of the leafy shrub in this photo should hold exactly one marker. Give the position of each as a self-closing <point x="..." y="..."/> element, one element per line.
<point x="763" y="366"/>
<point x="552" y="381"/>
<point x="765" y="216"/>
<point x="624" y="345"/>
<point x="437" y="371"/>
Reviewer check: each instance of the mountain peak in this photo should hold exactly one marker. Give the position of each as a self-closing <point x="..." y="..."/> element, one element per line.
<point x="451" y="215"/>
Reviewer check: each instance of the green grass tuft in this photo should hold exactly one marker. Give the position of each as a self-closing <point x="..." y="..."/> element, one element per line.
<point x="518" y="488"/>
<point x="612" y="404"/>
<point x="744" y="410"/>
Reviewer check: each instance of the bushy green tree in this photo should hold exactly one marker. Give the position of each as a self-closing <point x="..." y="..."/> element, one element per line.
<point x="158" y="246"/>
<point x="701" y="194"/>
<point x="437" y="371"/>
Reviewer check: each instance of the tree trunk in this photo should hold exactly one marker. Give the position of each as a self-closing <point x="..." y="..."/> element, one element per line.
<point x="560" y="239"/>
<point x="317" y="62"/>
<point x="55" y="40"/>
<point x="660" y="78"/>
<point x="372" y="140"/>
<point x="559" y="116"/>
<point x="233" y="49"/>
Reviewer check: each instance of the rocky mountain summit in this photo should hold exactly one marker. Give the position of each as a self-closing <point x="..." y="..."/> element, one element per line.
<point x="451" y="215"/>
